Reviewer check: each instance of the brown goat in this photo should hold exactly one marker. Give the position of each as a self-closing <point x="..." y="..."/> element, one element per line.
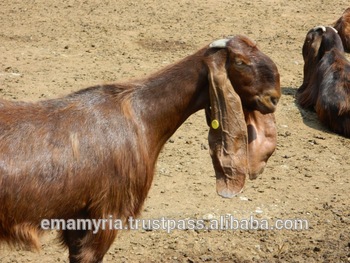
<point x="326" y="84"/>
<point x="91" y="154"/>
<point x="342" y="25"/>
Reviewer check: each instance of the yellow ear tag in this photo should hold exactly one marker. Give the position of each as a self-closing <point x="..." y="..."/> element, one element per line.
<point x="215" y="124"/>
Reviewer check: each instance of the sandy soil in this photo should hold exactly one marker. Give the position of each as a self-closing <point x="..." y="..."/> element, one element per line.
<point x="50" y="48"/>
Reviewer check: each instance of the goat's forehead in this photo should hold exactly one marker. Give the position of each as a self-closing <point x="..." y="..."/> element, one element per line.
<point x="243" y="41"/>
<point x="248" y="42"/>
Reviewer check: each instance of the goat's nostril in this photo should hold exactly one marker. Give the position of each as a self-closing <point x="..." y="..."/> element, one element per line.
<point x="274" y="100"/>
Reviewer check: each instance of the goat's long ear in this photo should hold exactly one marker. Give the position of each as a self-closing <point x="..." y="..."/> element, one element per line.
<point x="312" y="43"/>
<point x="228" y="139"/>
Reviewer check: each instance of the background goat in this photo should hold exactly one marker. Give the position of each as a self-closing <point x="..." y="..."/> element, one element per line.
<point x="326" y="84"/>
<point x="92" y="153"/>
<point x="342" y="25"/>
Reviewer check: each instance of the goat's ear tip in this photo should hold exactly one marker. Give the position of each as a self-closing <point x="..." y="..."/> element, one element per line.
<point x="228" y="189"/>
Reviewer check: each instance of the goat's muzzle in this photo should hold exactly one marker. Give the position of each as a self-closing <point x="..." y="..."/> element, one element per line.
<point x="267" y="103"/>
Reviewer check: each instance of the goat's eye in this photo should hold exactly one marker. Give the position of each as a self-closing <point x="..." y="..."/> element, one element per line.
<point x="239" y="62"/>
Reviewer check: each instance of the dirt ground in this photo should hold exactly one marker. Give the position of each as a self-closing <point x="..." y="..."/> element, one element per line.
<point x="50" y="48"/>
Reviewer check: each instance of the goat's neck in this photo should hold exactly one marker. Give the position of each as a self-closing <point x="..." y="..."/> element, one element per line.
<point x="166" y="99"/>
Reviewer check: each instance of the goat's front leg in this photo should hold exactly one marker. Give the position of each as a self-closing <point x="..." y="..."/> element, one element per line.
<point x="87" y="247"/>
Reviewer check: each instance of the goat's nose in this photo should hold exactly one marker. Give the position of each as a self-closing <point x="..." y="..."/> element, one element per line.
<point x="274" y="100"/>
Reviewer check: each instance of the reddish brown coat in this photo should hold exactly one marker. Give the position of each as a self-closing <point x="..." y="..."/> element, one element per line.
<point x="343" y="27"/>
<point x="92" y="153"/>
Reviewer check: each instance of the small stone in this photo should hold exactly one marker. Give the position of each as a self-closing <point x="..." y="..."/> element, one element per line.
<point x="206" y="258"/>
<point x="208" y="217"/>
<point x="258" y="210"/>
<point x="317" y="249"/>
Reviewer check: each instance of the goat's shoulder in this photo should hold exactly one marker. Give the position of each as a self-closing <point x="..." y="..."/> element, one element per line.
<point x="87" y="98"/>
<point x="101" y="91"/>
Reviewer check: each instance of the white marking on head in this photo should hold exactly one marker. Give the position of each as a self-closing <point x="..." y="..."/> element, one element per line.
<point x="221" y="43"/>
<point x="320" y="27"/>
<point x="336" y="31"/>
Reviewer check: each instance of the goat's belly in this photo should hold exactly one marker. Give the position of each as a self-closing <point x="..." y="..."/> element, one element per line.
<point x="33" y="202"/>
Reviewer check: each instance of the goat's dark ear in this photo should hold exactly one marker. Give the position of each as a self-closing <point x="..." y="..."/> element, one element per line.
<point x="312" y="42"/>
<point x="228" y="137"/>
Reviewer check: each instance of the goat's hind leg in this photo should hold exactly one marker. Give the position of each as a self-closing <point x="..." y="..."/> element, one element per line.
<point x="85" y="246"/>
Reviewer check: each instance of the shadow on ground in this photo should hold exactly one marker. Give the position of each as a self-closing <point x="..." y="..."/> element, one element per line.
<point x="309" y="116"/>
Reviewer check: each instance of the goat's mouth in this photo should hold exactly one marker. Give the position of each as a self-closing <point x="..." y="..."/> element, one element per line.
<point x="266" y="104"/>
